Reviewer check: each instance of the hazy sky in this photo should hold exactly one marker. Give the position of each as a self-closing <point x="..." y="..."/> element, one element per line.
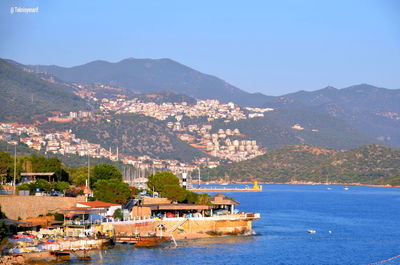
<point x="271" y="47"/>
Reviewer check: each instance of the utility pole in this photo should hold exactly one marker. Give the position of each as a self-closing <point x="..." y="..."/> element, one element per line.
<point x="88" y="171"/>
<point x="15" y="169"/>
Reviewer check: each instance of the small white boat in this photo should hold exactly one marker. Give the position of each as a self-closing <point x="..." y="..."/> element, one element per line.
<point x="346" y="188"/>
<point x="311" y="231"/>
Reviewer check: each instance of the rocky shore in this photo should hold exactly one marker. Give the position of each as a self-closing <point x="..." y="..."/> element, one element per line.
<point x="12" y="260"/>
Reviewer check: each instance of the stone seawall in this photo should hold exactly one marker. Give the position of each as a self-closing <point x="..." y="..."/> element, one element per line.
<point x="201" y="228"/>
<point x="143" y="228"/>
<point x="192" y="228"/>
<point x="32" y="206"/>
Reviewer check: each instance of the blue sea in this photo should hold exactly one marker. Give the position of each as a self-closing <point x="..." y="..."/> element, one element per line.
<point x="356" y="226"/>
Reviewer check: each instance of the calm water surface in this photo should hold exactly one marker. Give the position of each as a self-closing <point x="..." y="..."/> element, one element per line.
<point x="364" y="224"/>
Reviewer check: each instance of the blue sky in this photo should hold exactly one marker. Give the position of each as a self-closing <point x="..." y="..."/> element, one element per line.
<point x="259" y="46"/>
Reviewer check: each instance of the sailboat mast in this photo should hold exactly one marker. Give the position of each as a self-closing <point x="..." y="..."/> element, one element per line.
<point x="199" y="175"/>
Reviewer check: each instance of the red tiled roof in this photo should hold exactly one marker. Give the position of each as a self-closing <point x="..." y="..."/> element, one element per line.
<point x="98" y="204"/>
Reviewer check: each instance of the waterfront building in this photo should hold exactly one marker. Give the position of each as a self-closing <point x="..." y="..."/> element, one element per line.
<point x="32" y="177"/>
<point x="86" y="213"/>
<point x="169" y="210"/>
<point x="222" y="204"/>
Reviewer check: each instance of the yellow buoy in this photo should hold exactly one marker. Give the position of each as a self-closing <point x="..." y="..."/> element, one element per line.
<point x="256" y="186"/>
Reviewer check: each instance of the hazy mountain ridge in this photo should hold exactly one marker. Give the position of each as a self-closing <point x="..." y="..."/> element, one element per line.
<point x="151" y="75"/>
<point x="362" y="97"/>
<point x="372" y="110"/>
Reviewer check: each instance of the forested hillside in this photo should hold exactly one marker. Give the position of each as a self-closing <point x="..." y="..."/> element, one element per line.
<point x="25" y="97"/>
<point x="276" y="130"/>
<point x="370" y="164"/>
<point x="132" y="134"/>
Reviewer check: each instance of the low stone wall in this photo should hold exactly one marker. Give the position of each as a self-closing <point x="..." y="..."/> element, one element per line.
<point x="143" y="228"/>
<point x="43" y="221"/>
<point x="193" y="226"/>
<point x="32" y="206"/>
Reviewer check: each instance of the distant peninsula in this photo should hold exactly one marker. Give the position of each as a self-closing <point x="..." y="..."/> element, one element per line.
<point x="368" y="165"/>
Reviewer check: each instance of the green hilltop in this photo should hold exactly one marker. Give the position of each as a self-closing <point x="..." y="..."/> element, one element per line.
<point x="369" y="164"/>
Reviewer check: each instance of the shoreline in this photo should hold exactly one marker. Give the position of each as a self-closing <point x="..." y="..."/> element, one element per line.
<point x="309" y="183"/>
<point x="335" y="184"/>
<point x="46" y="257"/>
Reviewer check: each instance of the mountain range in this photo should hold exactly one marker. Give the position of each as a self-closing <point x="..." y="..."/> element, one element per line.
<point x="331" y="118"/>
<point x="152" y="75"/>
<point x="374" y="111"/>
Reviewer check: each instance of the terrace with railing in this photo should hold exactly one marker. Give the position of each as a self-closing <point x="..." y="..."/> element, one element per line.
<point x="231" y="217"/>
